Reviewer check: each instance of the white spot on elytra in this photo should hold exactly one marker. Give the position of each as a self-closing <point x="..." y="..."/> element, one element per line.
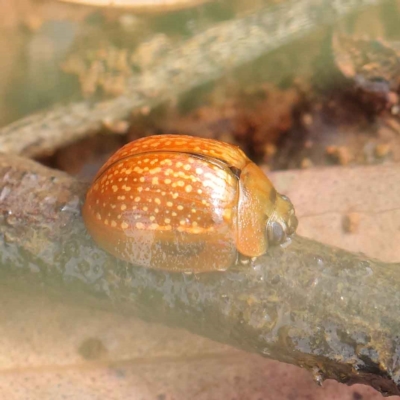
<point x="124" y="225"/>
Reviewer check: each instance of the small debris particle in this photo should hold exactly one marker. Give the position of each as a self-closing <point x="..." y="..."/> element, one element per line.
<point x="118" y="127"/>
<point x="92" y="349"/>
<point x="306" y="163"/>
<point x="351" y="222"/>
<point x="357" y="396"/>
<point x="382" y="150"/>
<point x="307" y="120"/>
<point x="339" y="154"/>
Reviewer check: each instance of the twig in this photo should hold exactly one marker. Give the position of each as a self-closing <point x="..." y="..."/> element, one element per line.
<point x="328" y="310"/>
<point x="203" y="58"/>
<point x="140" y="5"/>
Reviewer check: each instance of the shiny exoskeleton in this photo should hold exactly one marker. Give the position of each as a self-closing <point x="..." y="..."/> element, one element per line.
<point x="186" y="204"/>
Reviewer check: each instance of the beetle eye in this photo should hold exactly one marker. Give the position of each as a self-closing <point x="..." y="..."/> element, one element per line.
<point x="276" y="233"/>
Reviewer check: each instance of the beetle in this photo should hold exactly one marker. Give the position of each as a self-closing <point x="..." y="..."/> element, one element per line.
<point x="187" y="204"/>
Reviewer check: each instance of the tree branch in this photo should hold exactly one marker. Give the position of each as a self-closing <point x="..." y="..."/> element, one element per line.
<point x="328" y="310"/>
<point x="205" y="57"/>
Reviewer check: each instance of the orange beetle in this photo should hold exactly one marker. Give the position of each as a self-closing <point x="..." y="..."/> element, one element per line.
<point x="186" y="204"/>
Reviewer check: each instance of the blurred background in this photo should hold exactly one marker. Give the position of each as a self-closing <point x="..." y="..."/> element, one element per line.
<point x="319" y="98"/>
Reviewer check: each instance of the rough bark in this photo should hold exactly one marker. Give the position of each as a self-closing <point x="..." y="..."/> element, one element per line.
<point x="328" y="310"/>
